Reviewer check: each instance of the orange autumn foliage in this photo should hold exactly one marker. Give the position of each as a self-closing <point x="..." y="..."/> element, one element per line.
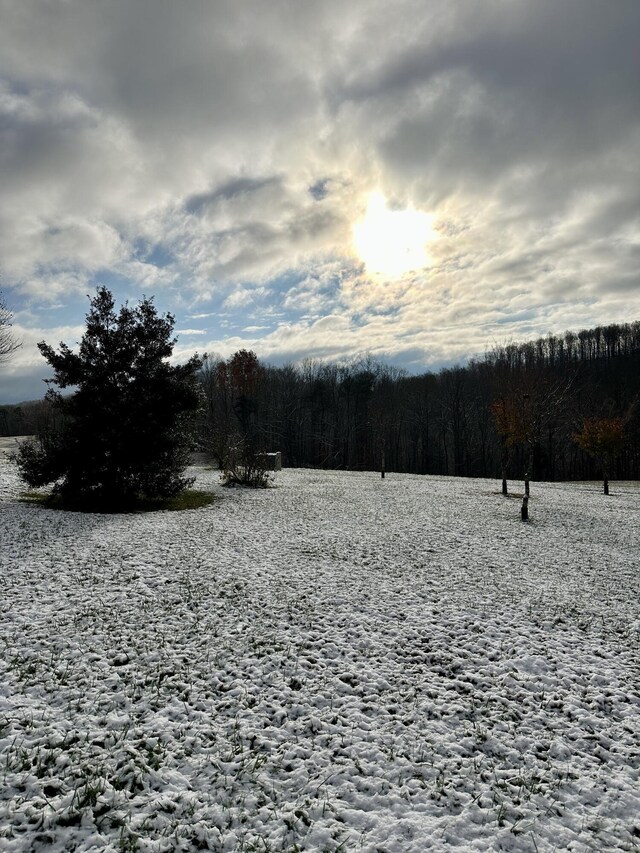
<point x="509" y="420"/>
<point x="601" y="437"/>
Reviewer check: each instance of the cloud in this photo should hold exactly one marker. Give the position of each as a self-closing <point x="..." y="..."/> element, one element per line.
<point x="230" y="190"/>
<point x="218" y="154"/>
<point x="240" y="298"/>
<point x="23" y="375"/>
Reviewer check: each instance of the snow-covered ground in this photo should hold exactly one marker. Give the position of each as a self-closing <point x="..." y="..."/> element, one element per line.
<point x="338" y="663"/>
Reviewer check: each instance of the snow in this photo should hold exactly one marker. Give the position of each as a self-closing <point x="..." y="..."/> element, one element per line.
<point x="338" y="663"/>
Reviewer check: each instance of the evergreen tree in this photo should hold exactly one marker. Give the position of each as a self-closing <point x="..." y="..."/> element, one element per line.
<point x="122" y="433"/>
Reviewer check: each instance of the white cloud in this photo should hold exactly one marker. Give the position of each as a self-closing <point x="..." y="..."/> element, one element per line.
<point x="242" y="297"/>
<point x="210" y="152"/>
<point x="28" y="356"/>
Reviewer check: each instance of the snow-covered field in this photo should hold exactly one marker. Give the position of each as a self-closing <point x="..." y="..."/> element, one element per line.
<point x="339" y="663"/>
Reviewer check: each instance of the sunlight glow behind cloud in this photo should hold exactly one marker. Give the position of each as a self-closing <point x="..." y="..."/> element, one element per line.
<point x="392" y="243"/>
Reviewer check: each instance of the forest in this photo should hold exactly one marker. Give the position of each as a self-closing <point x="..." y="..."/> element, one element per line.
<point x="557" y="408"/>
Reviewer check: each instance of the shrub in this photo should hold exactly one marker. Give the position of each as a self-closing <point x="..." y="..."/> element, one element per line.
<point x="245" y="466"/>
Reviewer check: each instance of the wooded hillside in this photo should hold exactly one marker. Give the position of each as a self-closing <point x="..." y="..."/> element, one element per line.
<point x="352" y="415"/>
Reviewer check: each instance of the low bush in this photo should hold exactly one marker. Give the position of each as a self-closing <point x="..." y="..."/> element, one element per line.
<point x="244" y="466"/>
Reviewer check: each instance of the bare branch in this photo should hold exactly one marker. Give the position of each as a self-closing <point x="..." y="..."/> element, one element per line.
<point x="8" y="341"/>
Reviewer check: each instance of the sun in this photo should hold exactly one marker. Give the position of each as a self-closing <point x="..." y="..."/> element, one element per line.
<point x="391" y="243"/>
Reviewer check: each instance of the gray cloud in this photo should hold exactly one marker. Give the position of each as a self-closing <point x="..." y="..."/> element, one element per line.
<point x="229" y="190"/>
<point x="528" y="97"/>
<point x="242" y="139"/>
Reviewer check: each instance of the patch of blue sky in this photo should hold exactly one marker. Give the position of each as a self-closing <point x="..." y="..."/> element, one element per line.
<point x="160" y="256"/>
<point x="248" y="317"/>
<point x="157" y="254"/>
<point x="126" y="290"/>
<point x="526" y="316"/>
<point x="410" y="360"/>
<point x="121" y="286"/>
<point x="281" y="285"/>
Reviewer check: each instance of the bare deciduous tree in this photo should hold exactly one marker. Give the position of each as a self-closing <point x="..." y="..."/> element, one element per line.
<point x="602" y="438"/>
<point x="8" y="341"/>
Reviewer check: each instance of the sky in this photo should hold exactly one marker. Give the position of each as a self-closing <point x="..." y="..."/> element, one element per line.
<point x="414" y="180"/>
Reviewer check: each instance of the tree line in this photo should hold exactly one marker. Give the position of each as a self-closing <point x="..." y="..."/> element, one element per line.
<point x="558" y="408"/>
